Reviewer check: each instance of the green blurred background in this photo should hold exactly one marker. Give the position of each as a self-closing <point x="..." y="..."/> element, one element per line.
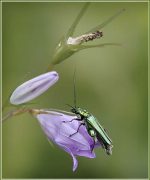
<point x="111" y="84"/>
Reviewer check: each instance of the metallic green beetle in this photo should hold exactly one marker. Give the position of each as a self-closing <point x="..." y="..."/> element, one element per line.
<point x="95" y="130"/>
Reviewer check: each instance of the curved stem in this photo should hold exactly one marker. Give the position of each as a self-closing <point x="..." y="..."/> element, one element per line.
<point x="14" y="113"/>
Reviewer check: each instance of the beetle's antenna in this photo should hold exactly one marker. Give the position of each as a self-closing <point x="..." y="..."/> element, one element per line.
<point x="74" y="89"/>
<point x="69" y="105"/>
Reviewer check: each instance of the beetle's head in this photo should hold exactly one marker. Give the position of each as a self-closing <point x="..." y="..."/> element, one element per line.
<point x="75" y="110"/>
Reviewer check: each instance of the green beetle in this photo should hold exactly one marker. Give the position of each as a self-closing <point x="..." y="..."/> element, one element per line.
<point x="95" y="130"/>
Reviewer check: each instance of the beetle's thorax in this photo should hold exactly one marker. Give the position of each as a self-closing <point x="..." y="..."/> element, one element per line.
<point x="82" y="112"/>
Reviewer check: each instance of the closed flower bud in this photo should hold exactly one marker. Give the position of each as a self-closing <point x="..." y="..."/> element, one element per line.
<point x="33" y="88"/>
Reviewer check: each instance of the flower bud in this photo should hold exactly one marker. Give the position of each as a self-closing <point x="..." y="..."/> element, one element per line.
<point x="33" y="88"/>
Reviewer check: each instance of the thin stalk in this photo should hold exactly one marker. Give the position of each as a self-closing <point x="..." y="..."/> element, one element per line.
<point x="76" y="21"/>
<point x="106" y="22"/>
<point x="14" y="113"/>
<point x="99" y="45"/>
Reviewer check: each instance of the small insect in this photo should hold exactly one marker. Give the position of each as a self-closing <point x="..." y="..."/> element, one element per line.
<point x="95" y="130"/>
<point x="92" y="36"/>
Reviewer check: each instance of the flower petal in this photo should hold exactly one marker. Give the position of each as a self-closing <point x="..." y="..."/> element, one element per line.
<point x="33" y="88"/>
<point x="75" y="161"/>
<point x="59" y="127"/>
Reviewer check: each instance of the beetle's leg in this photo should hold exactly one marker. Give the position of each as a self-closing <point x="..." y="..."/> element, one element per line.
<point x="92" y="147"/>
<point x="77" y="130"/>
<point x="92" y="133"/>
<point x="72" y="120"/>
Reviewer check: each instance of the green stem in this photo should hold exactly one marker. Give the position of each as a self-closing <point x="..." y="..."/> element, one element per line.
<point x="98" y="45"/>
<point x="75" y="23"/>
<point x="14" y="113"/>
<point x="106" y="22"/>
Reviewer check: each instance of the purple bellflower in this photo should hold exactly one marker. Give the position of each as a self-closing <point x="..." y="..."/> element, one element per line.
<point x="61" y="129"/>
<point x="33" y="88"/>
